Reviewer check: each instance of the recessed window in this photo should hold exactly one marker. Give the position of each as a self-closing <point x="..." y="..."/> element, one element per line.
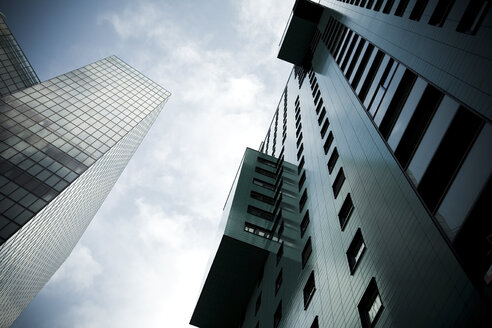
<point x="473" y="16"/>
<point x="302" y="180"/>
<point x="277" y="316"/>
<point x="321" y="116"/>
<point x="260" y="213"/>
<point x="337" y="185"/>
<point x="402" y="6"/>
<point x="418" y="10"/>
<point x="333" y="160"/>
<point x="304" y="223"/>
<point x="280" y="253"/>
<point x="298" y="131"/>
<point x="345" y="211"/>
<point x="370" y="306"/>
<point x="299" y="152"/>
<point x="441" y="12"/>
<point x="320" y="104"/>
<point x="278" y="282"/>
<point x="267" y="162"/>
<point x="388" y="6"/>
<point x="265" y="172"/>
<point x="262" y="198"/>
<point x="300" y="166"/>
<point x="306" y="252"/>
<point x="281" y="228"/>
<point x="263" y="184"/>
<point x="356" y="250"/>
<point x="324" y="128"/>
<point x="315" y="323"/>
<point x="309" y="290"/>
<point x="378" y="5"/>
<point x="303" y="200"/>
<point x="299" y="139"/>
<point x="328" y="143"/>
<point x="258" y="303"/>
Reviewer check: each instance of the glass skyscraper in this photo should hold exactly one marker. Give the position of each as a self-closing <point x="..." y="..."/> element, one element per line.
<point x="368" y="202"/>
<point x="64" y="143"/>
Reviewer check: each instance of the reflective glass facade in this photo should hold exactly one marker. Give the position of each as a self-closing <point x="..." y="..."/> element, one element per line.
<point x="387" y="117"/>
<point x="64" y="143"/>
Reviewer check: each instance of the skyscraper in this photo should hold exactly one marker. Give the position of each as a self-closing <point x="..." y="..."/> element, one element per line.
<point x="386" y="122"/>
<point x="64" y="143"/>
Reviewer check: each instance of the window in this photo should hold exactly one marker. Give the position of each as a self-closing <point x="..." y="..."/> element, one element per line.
<point x="309" y="290"/>
<point x="299" y="152"/>
<point x="299" y="139"/>
<point x="278" y="282"/>
<point x="262" y="198"/>
<point x="303" y="200"/>
<point x="257" y="324"/>
<point x="263" y="184"/>
<point x="320" y="104"/>
<point x="402" y="6"/>
<point x="337" y="185"/>
<point x="370" y="305"/>
<point x="277" y="316"/>
<point x="473" y="16"/>
<point x="321" y="116"/>
<point x="267" y="162"/>
<point x="388" y="6"/>
<point x="441" y="12"/>
<point x="333" y="160"/>
<point x="259" y="231"/>
<point x="301" y="165"/>
<point x="265" y="172"/>
<point x="315" y="323"/>
<point x="306" y="252"/>
<point x="418" y="9"/>
<point x="260" y="213"/>
<point x="258" y="303"/>
<point x="280" y="253"/>
<point x="324" y="128"/>
<point x="302" y="180"/>
<point x="345" y="211"/>
<point x="281" y="229"/>
<point x="304" y="223"/>
<point x="328" y="143"/>
<point x="298" y="130"/>
<point x="355" y="251"/>
<point x="378" y="4"/>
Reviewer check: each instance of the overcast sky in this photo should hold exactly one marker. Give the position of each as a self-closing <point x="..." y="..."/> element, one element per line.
<point x="142" y="260"/>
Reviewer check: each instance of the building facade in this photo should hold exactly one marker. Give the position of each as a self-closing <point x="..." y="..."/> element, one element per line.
<point x="64" y="143"/>
<point x="386" y="117"/>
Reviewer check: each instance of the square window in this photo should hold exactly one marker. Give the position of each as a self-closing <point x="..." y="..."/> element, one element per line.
<point x="304" y="223"/>
<point x="333" y="160"/>
<point x="324" y="128"/>
<point x="306" y="252"/>
<point x="370" y="305"/>
<point x="328" y="143"/>
<point x="338" y="183"/>
<point x="345" y="211"/>
<point x="302" y="180"/>
<point x="355" y="251"/>
<point x="303" y="200"/>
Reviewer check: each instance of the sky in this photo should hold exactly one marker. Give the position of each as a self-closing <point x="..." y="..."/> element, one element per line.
<point x="142" y="260"/>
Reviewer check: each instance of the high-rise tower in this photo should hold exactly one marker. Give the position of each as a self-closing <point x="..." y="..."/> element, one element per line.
<point x="386" y="117"/>
<point x="64" y="143"/>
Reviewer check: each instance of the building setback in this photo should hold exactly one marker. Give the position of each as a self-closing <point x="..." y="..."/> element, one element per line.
<point x="386" y="122"/>
<point x="64" y="143"/>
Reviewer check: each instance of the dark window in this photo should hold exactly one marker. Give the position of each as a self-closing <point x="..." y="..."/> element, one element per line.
<point x="333" y="160"/>
<point x="362" y="66"/>
<point x="342" y="45"/>
<point x="257" y="324"/>
<point x="324" y="128"/>
<point x="267" y="162"/>
<point x="418" y="9"/>
<point x="328" y="142"/>
<point x="280" y="253"/>
<point x="355" y="251"/>
<point x="317" y="97"/>
<point x="378" y="4"/>
<point x="315" y="323"/>
<point x="278" y="282"/>
<point x="258" y="303"/>
<point x="422" y="116"/>
<point x="262" y="198"/>
<point x="277" y="316"/>
<point x="402" y="6"/>
<point x="320" y="104"/>
<point x="321" y="116"/>
<point x="301" y="165"/>
<point x="309" y="290"/>
<point x="299" y="152"/>
<point x="355" y="58"/>
<point x="441" y="12"/>
<point x="260" y="213"/>
<point x="449" y="156"/>
<point x="345" y="211"/>
<point x="388" y="6"/>
<point x="265" y="172"/>
<point x="306" y="252"/>
<point x="370" y="305"/>
<point x="281" y="229"/>
<point x="299" y="139"/>
<point x="303" y="200"/>
<point x="337" y="185"/>
<point x="263" y="184"/>
<point x="349" y="52"/>
<point x="304" y="223"/>
<point x="370" y="75"/>
<point x="256" y="230"/>
<point x="298" y="131"/>
<point x="397" y="102"/>
<point x="302" y="180"/>
<point x="473" y="16"/>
